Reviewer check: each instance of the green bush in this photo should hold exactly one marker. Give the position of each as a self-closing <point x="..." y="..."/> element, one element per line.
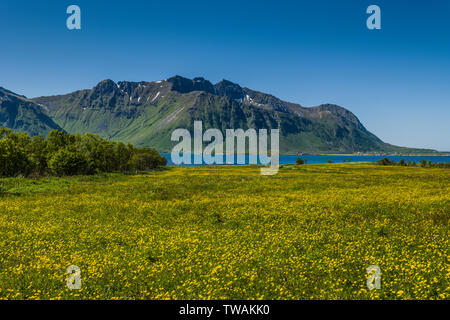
<point x="299" y="161"/>
<point x="14" y="160"/>
<point x="67" y="162"/>
<point x="423" y="163"/>
<point x="385" y="162"/>
<point x="146" y="159"/>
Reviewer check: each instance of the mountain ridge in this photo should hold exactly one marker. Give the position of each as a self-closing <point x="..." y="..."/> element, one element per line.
<point x="146" y="112"/>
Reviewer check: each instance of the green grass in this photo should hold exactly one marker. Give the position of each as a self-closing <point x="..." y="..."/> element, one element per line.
<point x="309" y="232"/>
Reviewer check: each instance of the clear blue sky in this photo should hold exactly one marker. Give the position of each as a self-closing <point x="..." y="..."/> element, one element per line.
<point x="396" y="80"/>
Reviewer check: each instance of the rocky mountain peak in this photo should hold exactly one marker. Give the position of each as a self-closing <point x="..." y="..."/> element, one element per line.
<point x="105" y="87"/>
<point x="335" y="111"/>
<point x="185" y="85"/>
<point x="230" y="89"/>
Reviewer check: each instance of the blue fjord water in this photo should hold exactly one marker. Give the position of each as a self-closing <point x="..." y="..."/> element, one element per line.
<point x="320" y="159"/>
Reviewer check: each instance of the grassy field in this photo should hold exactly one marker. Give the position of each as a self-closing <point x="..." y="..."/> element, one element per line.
<point x="309" y="232"/>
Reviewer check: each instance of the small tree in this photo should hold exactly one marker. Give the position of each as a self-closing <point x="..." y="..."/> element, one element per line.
<point x="299" y="161"/>
<point x="401" y="162"/>
<point x="423" y="162"/>
<point x="384" y="161"/>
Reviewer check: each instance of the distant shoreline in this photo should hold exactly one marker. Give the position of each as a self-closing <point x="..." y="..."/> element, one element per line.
<point x="443" y="154"/>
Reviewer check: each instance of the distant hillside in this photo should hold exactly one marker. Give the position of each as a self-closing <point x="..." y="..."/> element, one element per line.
<point x="22" y="115"/>
<point x="145" y="114"/>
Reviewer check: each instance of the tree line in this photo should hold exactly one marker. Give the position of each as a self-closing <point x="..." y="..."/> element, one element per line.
<point x="63" y="154"/>
<point x="422" y="163"/>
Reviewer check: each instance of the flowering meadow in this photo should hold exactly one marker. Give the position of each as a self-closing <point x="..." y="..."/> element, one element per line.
<point x="309" y="232"/>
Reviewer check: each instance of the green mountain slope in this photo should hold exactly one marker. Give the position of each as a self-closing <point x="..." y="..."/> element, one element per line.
<point x="146" y="113"/>
<point x="22" y="115"/>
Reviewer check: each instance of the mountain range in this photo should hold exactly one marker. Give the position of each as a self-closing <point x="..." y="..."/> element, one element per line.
<point x="146" y="113"/>
<point x="23" y="115"/>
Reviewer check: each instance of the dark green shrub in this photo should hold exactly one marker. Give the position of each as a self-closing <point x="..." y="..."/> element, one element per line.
<point x="67" y="162"/>
<point x="423" y="163"/>
<point x="384" y="161"/>
<point x="146" y="159"/>
<point x="13" y="159"/>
